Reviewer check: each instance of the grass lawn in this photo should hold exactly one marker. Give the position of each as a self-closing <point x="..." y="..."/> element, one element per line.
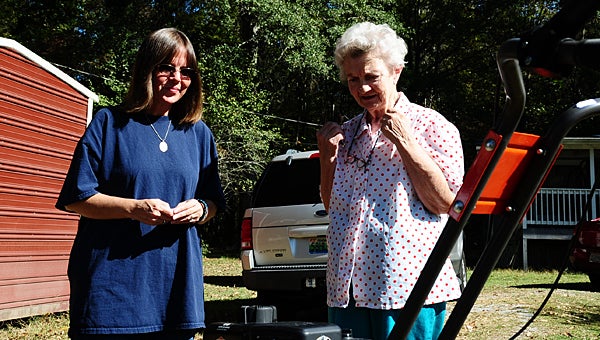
<point x="507" y="301"/>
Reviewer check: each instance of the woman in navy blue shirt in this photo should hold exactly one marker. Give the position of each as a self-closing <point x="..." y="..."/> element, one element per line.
<point x="143" y="178"/>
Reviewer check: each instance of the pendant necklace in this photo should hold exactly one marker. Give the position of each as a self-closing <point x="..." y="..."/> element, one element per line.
<point x="163" y="146"/>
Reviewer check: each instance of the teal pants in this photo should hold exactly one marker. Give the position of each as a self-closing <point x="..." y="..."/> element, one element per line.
<point x="376" y="324"/>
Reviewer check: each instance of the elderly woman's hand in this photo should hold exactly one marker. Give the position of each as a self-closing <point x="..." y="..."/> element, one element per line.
<point x="329" y="138"/>
<point x="396" y="127"/>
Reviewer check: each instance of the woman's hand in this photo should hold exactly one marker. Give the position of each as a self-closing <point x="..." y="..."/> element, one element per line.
<point x="152" y="211"/>
<point x="425" y="174"/>
<point x="329" y="137"/>
<point x="192" y="211"/>
<point x="396" y="127"/>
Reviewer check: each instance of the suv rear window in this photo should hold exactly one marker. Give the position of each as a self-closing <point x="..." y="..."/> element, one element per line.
<point x="289" y="183"/>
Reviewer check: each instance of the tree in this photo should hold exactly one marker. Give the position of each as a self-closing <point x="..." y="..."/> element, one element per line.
<point x="268" y="71"/>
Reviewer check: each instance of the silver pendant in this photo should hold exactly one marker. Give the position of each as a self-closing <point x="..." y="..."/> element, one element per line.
<point x="163" y="146"/>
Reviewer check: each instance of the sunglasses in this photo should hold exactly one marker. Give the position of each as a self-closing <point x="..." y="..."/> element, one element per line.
<point x="169" y="70"/>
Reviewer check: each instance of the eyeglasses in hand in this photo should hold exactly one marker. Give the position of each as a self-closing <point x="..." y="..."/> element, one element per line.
<point x="360" y="162"/>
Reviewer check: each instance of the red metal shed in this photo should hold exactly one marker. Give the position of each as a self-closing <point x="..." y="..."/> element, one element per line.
<point x="43" y="112"/>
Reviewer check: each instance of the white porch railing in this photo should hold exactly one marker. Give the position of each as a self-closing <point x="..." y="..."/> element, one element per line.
<point x="554" y="212"/>
<point x="560" y="206"/>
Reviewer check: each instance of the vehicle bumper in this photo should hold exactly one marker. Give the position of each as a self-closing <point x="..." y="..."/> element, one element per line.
<point x="298" y="277"/>
<point x="284" y="279"/>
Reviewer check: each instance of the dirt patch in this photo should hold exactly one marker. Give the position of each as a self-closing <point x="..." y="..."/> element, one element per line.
<point x="573" y="312"/>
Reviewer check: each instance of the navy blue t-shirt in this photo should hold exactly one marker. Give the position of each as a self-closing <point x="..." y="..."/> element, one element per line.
<point x="127" y="276"/>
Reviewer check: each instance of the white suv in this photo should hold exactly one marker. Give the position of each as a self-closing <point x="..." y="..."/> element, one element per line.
<point x="283" y="246"/>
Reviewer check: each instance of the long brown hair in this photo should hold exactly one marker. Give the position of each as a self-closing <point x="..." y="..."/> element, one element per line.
<point x="160" y="47"/>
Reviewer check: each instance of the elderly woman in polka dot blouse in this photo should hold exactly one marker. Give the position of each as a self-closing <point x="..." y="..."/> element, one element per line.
<point x="388" y="178"/>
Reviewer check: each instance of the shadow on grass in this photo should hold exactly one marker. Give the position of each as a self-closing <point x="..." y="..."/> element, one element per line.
<point x="225" y="311"/>
<point x="587" y="318"/>
<point x="224" y="281"/>
<point x="588" y="315"/>
<point x="576" y="286"/>
<point x="290" y="306"/>
<point x="287" y="310"/>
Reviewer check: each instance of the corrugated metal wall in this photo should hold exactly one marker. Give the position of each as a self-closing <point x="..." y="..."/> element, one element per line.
<point x="41" y="119"/>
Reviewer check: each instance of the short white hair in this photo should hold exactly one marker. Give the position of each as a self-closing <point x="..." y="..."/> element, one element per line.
<point x="367" y="37"/>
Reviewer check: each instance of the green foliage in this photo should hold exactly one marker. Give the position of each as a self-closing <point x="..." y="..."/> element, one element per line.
<point x="268" y="70"/>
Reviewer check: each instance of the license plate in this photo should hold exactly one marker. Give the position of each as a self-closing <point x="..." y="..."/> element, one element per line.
<point x="595" y="257"/>
<point x="317" y="245"/>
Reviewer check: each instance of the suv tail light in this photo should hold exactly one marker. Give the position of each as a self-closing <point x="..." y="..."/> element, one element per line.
<point x="246" y="234"/>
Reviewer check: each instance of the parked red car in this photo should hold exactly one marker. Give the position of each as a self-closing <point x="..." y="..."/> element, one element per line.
<point x="586" y="252"/>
